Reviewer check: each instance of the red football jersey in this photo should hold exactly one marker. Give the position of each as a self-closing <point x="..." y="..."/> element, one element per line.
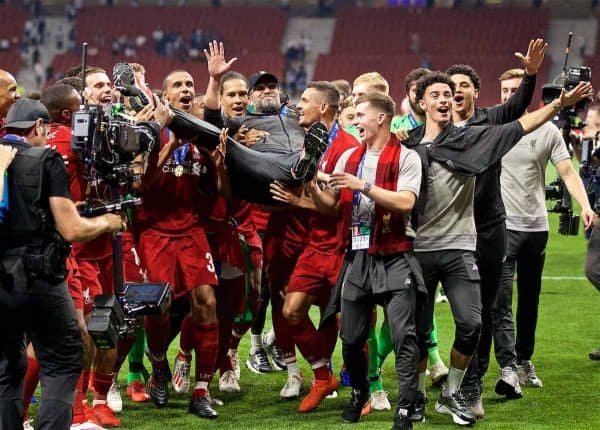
<point x="60" y="136"/>
<point x="171" y="202"/>
<point x="323" y="228"/>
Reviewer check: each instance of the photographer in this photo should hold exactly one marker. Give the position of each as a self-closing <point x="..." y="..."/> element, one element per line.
<point x="35" y="300"/>
<point x="522" y="181"/>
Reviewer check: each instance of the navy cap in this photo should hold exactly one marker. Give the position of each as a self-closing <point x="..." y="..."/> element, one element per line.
<point x="259" y="76"/>
<point x="25" y="112"/>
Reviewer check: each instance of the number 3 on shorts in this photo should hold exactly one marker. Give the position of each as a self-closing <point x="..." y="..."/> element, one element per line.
<point x="210" y="265"/>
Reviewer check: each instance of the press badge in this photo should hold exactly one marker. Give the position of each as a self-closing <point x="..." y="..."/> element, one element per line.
<point x="361" y="236"/>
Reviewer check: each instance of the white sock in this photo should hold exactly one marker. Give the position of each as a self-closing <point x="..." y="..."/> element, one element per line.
<point x="421" y="383"/>
<point x="292" y="368"/>
<point x="201" y="385"/>
<point x="98" y="402"/>
<point x="270" y="337"/>
<point x="255" y="342"/>
<point x="455" y="377"/>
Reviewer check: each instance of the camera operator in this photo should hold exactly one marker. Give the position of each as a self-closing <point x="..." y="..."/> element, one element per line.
<point x="590" y="132"/>
<point x="33" y="252"/>
<point x="522" y="181"/>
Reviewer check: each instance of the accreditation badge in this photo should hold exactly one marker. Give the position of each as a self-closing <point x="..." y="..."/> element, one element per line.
<point x="361" y="236"/>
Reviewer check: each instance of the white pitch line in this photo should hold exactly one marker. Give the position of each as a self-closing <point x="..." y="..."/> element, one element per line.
<point x="564" y="278"/>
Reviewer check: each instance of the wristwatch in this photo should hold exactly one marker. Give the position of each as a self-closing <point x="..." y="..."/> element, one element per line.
<point x="367" y="188"/>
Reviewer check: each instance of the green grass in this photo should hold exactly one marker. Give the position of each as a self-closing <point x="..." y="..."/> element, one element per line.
<point x="568" y="329"/>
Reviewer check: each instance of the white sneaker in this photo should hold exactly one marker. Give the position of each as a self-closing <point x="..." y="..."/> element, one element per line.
<point x="441" y="298"/>
<point x="181" y="375"/>
<point x="293" y="386"/>
<point x="527" y="376"/>
<point x="228" y="383"/>
<point x="235" y="363"/>
<point x="379" y="401"/>
<point x="88" y="425"/>
<point x="438" y="373"/>
<point x="28" y="425"/>
<point x="113" y="398"/>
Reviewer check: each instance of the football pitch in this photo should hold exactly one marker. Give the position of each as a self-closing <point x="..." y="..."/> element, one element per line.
<point x="568" y="328"/>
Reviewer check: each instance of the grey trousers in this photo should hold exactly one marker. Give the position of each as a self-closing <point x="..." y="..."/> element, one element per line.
<point x="398" y="296"/>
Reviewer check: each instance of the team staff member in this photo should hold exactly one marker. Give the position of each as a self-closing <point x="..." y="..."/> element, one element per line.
<point x="36" y="300"/>
<point x="378" y="185"/>
<point x="523" y="192"/>
<point x="489" y="209"/>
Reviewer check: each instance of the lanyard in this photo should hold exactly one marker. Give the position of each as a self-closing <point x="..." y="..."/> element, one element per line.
<point x="413" y="121"/>
<point x="180" y="153"/>
<point x="356" y="197"/>
<point x="335" y="129"/>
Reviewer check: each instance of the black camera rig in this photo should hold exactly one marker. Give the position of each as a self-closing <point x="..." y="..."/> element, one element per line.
<point x="108" y="141"/>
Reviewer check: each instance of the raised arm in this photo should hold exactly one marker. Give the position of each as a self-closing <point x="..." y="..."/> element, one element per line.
<point x="518" y="103"/>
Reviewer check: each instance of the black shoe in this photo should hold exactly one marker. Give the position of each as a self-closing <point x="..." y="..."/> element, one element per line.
<point x="159" y="390"/>
<point x="124" y="81"/>
<point x="351" y="413"/>
<point x="315" y="143"/>
<point x="200" y="406"/>
<point x="401" y="420"/>
<point x="276" y="354"/>
<point x="595" y="355"/>
<point x="258" y="360"/>
<point x="455" y="406"/>
<point x="418" y="415"/>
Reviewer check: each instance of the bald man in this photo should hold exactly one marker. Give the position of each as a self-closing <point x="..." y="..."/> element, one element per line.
<point x="8" y="93"/>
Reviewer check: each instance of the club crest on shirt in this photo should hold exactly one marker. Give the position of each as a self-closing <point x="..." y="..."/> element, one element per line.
<point x="532" y="144"/>
<point x="387" y="228"/>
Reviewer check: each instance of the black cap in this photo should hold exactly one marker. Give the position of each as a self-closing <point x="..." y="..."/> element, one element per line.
<point x="25" y="112"/>
<point x="259" y="76"/>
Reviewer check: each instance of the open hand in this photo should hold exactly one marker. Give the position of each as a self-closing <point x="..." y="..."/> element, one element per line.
<point x="533" y="58"/>
<point x="215" y="59"/>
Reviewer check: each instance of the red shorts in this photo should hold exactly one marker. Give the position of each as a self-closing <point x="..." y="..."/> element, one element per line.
<point x="98" y="277"/>
<point x="316" y="274"/>
<point x="74" y="284"/>
<point x="185" y="262"/>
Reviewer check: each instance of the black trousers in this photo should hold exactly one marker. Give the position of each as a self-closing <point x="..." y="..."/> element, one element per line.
<point x="457" y="271"/>
<point x="46" y="313"/>
<point x="400" y="306"/>
<point x="592" y="259"/>
<point x="525" y="252"/>
<point x="491" y="246"/>
<point x="250" y="172"/>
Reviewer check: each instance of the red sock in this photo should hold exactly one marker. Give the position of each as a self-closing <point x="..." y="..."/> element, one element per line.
<point x="281" y="327"/>
<point x="32" y="377"/>
<point x="102" y="383"/>
<point x="186" y="339"/>
<point x="306" y="337"/>
<point x="157" y="335"/>
<point x="86" y="381"/>
<point x="123" y="347"/>
<point x="225" y="303"/>
<point x="236" y="335"/>
<point x="206" y="344"/>
<point x="200" y="392"/>
<point x="78" y="411"/>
